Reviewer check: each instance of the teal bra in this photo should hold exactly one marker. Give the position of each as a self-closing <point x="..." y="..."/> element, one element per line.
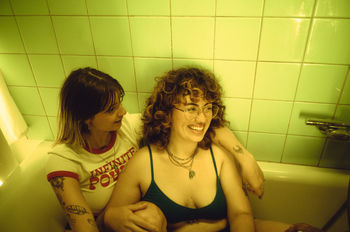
<point x="176" y="213"/>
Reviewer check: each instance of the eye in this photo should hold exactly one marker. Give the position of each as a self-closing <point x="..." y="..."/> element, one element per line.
<point x="111" y="109"/>
<point x="191" y="109"/>
<point x="208" y="108"/>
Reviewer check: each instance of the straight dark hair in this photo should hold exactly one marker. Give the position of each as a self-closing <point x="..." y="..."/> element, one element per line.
<point x="84" y="93"/>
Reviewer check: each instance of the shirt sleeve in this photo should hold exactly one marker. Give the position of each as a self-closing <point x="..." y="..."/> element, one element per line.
<point x="58" y="166"/>
<point x="134" y="125"/>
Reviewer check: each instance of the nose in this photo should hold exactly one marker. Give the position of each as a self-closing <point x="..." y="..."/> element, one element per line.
<point x="121" y="110"/>
<point x="200" y="116"/>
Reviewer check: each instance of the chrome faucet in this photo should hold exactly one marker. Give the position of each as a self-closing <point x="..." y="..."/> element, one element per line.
<point x="334" y="129"/>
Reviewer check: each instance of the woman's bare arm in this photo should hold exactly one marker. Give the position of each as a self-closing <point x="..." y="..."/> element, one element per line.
<point x="250" y="170"/>
<point x="121" y="213"/>
<point x="239" y="211"/>
<point x="75" y="207"/>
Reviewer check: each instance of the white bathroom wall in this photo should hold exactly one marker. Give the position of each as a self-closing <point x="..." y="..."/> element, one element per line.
<point x="8" y="161"/>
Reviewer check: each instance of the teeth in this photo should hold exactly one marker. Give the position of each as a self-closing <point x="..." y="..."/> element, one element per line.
<point x="196" y="128"/>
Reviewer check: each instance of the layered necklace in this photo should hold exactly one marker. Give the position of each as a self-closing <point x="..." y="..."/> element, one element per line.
<point x="184" y="163"/>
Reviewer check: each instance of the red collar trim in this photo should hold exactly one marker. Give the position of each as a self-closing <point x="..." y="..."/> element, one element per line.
<point x="104" y="149"/>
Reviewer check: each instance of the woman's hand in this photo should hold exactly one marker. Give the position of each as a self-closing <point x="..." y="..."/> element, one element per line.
<point x="154" y="215"/>
<point x="125" y="219"/>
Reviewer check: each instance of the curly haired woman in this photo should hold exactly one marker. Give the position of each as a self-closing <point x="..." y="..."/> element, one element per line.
<point x="194" y="182"/>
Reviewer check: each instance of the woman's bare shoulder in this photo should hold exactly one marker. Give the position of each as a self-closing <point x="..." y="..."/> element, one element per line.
<point x="223" y="158"/>
<point x="139" y="159"/>
<point x="220" y="153"/>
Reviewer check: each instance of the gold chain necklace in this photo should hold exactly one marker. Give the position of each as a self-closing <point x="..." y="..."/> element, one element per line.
<point x="184" y="163"/>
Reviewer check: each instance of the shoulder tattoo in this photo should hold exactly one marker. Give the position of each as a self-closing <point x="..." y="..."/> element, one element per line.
<point x="57" y="182"/>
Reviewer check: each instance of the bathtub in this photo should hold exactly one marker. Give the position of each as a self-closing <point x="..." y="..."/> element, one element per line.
<point x="293" y="194"/>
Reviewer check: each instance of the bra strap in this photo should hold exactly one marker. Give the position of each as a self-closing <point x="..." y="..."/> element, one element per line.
<point x="151" y="159"/>
<point x="212" y="156"/>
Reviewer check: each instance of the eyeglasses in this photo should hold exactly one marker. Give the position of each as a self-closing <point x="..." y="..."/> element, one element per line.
<point x="193" y="111"/>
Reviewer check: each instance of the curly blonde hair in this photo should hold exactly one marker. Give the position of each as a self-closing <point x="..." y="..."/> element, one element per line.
<point x="171" y="88"/>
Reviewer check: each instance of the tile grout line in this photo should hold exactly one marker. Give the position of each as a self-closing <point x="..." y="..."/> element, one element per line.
<point x="32" y="71"/>
<point x="183" y="58"/>
<point x="299" y="76"/>
<point x="60" y="56"/>
<point x="184" y="16"/>
<point x="214" y="39"/>
<point x="255" y="70"/>
<point x="133" y="57"/>
<point x="171" y="36"/>
<point x="91" y="34"/>
<point x="323" y="152"/>
<point x="341" y="92"/>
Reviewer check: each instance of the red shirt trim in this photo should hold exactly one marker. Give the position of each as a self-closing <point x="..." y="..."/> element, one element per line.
<point x="62" y="173"/>
<point x="106" y="148"/>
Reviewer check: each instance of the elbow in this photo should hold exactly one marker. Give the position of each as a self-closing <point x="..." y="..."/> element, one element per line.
<point x="243" y="219"/>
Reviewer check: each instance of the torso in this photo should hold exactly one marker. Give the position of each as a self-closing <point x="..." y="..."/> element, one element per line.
<point x="96" y="171"/>
<point x="182" y="198"/>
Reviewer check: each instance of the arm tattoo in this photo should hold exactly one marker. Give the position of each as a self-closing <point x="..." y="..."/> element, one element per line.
<point x="245" y="189"/>
<point x="237" y="149"/>
<point x="76" y="209"/>
<point x="92" y="222"/>
<point x="60" y="199"/>
<point x="57" y="182"/>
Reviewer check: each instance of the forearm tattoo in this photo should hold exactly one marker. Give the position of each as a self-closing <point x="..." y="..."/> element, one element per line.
<point x="76" y="209"/>
<point x="57" y="182"/>
<point x="92" y="222"/>
<point x="237" y="149"/>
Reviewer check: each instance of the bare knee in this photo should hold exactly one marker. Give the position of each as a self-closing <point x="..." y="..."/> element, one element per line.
<point x="267" y="226"/>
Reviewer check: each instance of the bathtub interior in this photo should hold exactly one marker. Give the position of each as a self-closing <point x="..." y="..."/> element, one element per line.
<point x="292" y="194"/>
<point x="27" y="201"/>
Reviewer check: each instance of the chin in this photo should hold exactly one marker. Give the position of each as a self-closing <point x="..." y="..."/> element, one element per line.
<point x="117" y="127"/>
<point x="197" y="139"/>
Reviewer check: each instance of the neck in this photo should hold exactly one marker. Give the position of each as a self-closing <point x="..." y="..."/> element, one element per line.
<point x="182" y="150"/>
<point x="97" y="140"/>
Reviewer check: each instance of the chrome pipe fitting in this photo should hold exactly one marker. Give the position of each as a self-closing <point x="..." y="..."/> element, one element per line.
<point x="333" y="129"/>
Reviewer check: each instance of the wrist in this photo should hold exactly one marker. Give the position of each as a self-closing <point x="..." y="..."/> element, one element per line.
<point x="106" y="219"/>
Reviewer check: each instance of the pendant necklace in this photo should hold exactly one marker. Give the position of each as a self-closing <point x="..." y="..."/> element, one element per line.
<point x="184" y="163"/>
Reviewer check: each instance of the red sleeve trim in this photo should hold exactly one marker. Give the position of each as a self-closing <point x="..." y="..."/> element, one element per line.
<point x="62" y="173"/>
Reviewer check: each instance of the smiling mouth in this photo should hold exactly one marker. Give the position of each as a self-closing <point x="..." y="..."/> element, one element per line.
<point x="197" y="128"/>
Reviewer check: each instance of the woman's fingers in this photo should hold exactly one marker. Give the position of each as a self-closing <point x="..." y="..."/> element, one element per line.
<point x="137" y="206"/>
<point x="141" y="225"/>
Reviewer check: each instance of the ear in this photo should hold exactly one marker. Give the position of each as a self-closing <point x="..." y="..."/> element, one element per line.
<point x="88" y="121"/>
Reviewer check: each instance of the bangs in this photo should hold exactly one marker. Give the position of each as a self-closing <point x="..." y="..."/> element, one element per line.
<point x="113" y="98"/>
<point x="195" y="92"/>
